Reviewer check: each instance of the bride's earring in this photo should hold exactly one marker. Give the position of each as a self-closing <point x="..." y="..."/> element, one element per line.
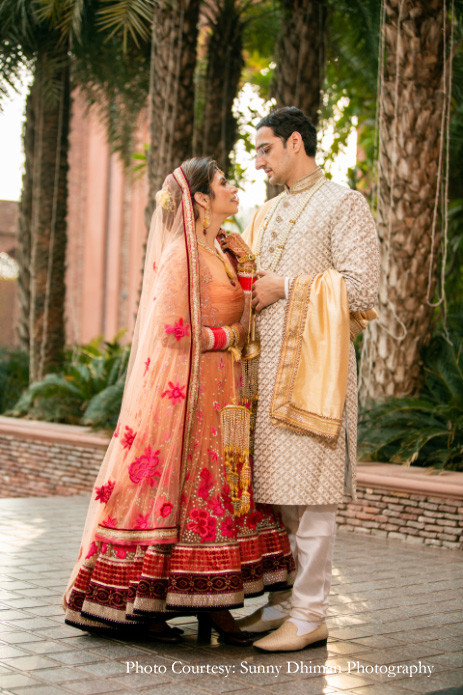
<point x="206" y="220"/>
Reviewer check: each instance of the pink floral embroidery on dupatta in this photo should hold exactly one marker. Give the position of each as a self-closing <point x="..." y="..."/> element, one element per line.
<point x="129" y="436"/>
<point x="146" y="467"/>
<point x="176" y="393"/>
<point x="147" y="365"/>
<point x="227" y="527"/>
<point x="163" y="507"/>
<point x="141" y="521"/>
<point x="110" y="522"/>
<point x="104" y="492"/>
<point x="206" y="483"/>
<point x="179" y="329"/>
<point x="214" y="455"/>
<point x="166" y="509"/>
<point x="203" y="524"/>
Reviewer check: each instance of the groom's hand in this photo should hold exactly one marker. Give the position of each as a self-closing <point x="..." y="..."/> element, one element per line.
<point x="267" y="289"/>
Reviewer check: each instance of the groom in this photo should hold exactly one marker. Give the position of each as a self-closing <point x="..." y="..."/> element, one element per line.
<point x="318" y="261"/>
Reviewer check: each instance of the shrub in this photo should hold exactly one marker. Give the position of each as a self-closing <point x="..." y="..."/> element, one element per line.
<point x="427" y="430"/>
<point x="14" y="376"/>
<point x="87" y="391"/>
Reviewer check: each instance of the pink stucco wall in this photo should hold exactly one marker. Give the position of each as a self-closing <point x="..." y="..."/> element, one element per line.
<point x="106" y="232"/>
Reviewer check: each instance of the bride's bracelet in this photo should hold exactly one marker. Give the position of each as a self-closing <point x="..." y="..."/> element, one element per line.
<point x="236" y="335"/>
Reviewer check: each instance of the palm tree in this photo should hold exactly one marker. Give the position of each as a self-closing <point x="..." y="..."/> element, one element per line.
<point x="172" y="92"/>
<point x="216" y="134"/>
<point x="26" y="40"/>
<point x="300" y="56"/>
<point x="412" y="114"/>
<point x="300" y="60"/>
<point x="41" y="36"/>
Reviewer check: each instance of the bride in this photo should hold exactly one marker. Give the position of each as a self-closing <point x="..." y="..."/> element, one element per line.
<point x="168" y="531"/>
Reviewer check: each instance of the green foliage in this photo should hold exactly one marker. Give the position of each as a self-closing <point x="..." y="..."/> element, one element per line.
<point x="88" y="390"/>
<point x="118" y="85"/>
<point x="262" y="25"/>
<point x="428" y="430"/>
<point x="14" y="376"/>
<point x="350" y="90"/>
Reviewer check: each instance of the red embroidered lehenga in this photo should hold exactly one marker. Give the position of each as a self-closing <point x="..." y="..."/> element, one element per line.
<point x="161" y="534"/>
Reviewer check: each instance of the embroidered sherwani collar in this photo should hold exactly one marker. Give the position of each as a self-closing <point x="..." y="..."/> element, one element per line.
<point x="306" y="182"/>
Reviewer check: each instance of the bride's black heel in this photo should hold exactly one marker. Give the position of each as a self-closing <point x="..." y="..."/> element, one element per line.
<point x="204" y="628"/>
<point x="209" y="621"/>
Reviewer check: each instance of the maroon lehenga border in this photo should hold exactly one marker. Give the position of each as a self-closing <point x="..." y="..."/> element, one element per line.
<point x="121" y="585"/>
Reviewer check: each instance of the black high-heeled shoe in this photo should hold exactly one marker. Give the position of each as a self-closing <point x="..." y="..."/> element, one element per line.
<point x="210" y="621"/>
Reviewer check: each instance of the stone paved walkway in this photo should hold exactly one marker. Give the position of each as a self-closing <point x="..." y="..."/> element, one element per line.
<point x="394" y="607"/>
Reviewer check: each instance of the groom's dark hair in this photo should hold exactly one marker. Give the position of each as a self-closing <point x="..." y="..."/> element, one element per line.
<point x="286" y="121"/>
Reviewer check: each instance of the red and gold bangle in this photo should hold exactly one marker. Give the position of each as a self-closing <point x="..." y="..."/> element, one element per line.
<point x="230" y="336"/>
<point x="236" y="335"/>
<point x="211" y="339"/>
<point x="222" y="338"/>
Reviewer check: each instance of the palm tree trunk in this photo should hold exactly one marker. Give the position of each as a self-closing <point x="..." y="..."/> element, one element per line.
<point x="300" y="60"/>
<point x="224" y="65"/>
<point x="300" y="56"/>
<point x="45" y="208"/>
<point x="173" y="61"/>
<point x="25" y="213"/>
<point x="412" y="104"/>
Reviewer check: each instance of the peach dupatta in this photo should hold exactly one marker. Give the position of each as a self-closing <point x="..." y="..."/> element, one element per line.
<point x="151" y="441"/>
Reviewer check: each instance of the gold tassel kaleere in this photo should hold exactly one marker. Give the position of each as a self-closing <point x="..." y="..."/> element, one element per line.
<point x="250" y="370"/>
<point x="235" y="421"/>
<point x="250" y="367"/>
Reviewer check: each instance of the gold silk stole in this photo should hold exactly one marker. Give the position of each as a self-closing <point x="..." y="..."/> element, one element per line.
<point x="311" y="383"/>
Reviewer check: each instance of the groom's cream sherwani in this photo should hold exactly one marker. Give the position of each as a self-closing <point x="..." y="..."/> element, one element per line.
<point x="334" y="230"/>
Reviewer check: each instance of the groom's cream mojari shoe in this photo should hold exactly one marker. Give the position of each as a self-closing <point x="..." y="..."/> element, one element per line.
<point x="254" y="622"/>
<point x="286" y="639"/>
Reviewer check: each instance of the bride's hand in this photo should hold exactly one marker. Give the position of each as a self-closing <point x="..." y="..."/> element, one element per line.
<point x="268" y="288"/>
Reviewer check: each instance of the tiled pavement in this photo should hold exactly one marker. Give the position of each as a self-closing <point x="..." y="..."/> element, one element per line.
<point x="394" y="607"/>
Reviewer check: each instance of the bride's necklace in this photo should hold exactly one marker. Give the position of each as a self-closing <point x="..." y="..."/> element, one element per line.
<point x="218" y="255"/>
<point x="283" y="237"/>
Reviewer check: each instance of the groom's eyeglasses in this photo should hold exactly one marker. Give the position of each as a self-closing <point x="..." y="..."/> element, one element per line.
<point x="264" y="149"/>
